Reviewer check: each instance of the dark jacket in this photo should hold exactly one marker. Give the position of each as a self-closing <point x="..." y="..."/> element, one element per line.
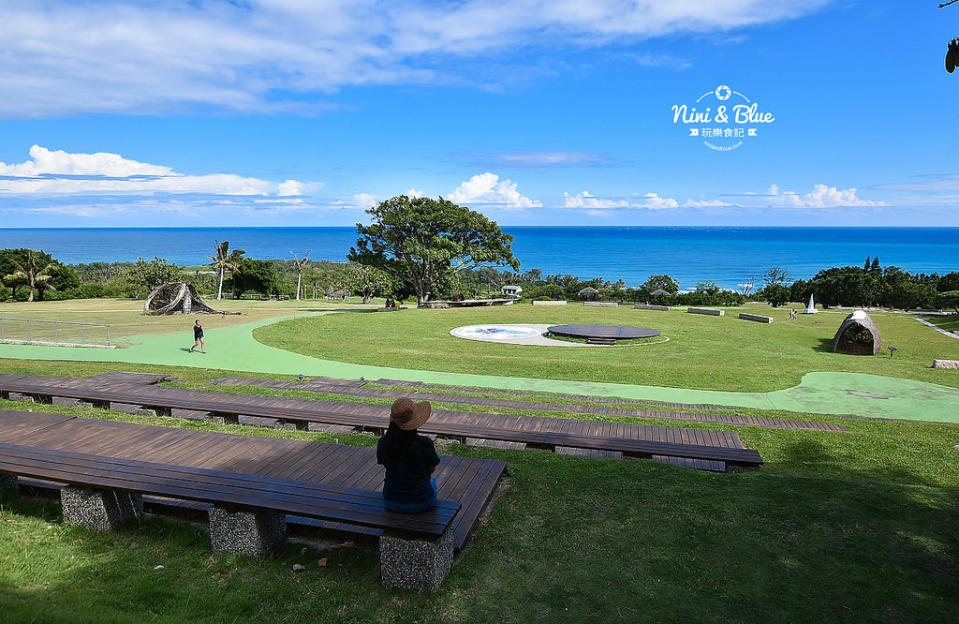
<point x="408" y="468"/>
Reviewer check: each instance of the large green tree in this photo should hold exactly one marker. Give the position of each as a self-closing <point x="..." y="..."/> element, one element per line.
<point x="424" y="241"/>
<point x="153" y="273"/>
<point x="368" y="281"/>
<point x="660" y="282"/>
<point x="257" y="275"/>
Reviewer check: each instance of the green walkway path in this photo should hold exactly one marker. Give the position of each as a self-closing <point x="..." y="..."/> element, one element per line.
<point x="234" y="348"/>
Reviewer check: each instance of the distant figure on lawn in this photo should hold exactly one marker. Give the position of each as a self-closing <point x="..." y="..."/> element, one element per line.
<point x="792" y="315"/>
<point x="409" y="459"/>
<point x="198" y="337"/>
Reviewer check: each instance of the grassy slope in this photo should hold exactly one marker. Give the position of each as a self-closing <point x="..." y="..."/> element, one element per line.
<point x="126" y="318"/>
<point x="948" y="323"/>
<point x="834" y="527"/>
<point x="704" y="352"/>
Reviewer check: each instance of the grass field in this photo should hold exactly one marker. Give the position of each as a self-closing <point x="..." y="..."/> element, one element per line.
<point x="126" y="318"/>
<point x="948" y="323"/>
<point x="857" y="526"/>
<point x="704" y="352"/>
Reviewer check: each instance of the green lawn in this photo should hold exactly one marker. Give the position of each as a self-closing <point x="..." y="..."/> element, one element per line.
<point x="126" y="318"/>
<point x="948" y="323"/>
<point x="704" y="352"/>
<point x="835" y="527"/>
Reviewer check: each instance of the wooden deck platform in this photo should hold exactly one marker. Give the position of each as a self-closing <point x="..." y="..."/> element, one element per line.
<point x="724" y="449"/>
<point x="469" y="482"/>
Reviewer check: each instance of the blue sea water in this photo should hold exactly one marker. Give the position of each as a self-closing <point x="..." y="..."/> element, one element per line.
<point x="725" y="255"/>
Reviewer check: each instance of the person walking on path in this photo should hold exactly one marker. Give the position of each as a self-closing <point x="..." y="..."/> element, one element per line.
<point x="198" y="337"/>
<point x="409" y="459"/>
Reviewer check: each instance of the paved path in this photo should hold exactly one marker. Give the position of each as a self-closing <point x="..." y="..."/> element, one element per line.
<point x="233" y="348"/>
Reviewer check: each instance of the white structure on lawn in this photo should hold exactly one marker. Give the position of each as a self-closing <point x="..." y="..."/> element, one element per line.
<point x="811" y="308"/>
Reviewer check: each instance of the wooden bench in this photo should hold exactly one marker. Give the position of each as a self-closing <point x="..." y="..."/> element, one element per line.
<point x="706" y="311"/>
<point x="249" y="512"/>
<point x="651" y="306"/>
<point x="300" y="412"/>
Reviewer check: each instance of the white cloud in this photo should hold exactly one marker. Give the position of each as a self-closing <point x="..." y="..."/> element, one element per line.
<point x="414" y="194"/>
<point x="585" y="200"/>
<point x="652" y="201"/>
<point x="486" y="188"/>
<point x="821" y="196"/>
<point x="62" y="173"/>
<point x="46" y="162"/>
<point x="705" y="203"/>
<point x="64" y="57"/>
<point x="359" y="201"/>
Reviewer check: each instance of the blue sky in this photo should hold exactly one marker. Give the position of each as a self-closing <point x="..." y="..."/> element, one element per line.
<point x="303" y="113"/>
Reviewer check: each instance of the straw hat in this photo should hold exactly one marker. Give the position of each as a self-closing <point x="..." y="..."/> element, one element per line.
<point x="409" y="415"/>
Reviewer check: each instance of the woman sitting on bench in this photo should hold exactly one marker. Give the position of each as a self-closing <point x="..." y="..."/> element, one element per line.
<point x="409" y="459"/>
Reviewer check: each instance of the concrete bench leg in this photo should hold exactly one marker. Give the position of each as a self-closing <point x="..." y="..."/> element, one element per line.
<point x="292" y="425"/>
<point x="251" y="533"/>
<point x="99" y="510"/>
<point x="221" y="418"/>
<point x="415" y="564"/>
<point x="8" y="484"/>
<point x="92" y="403"/>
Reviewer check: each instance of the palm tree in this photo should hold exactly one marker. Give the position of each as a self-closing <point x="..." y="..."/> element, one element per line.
<point x="300" y="264"/>
<point x="221" y="262"/>
<point x="29" y="273"/>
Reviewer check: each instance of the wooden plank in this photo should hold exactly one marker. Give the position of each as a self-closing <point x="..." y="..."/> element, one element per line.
<point x="304" y="498"/>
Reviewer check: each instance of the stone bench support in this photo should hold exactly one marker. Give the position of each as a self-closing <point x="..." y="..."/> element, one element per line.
<point x="415" y="564"/>
<point x="759" y="318"/>
<point x="153" y="410"/>
<point x="99" y="510"/>
<point x="707" y="311"/>
<point x="945" y="363"/>
<point x="254" y="533"/>
<point x="293" y="425"/>
<point x="8" y="484"/>
<point x="222" y="418"/>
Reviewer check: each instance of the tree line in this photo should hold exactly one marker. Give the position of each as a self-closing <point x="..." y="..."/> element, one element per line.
<point x="433" y="248"/>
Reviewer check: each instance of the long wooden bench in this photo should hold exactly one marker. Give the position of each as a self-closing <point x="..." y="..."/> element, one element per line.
<point x="349" y="388"/>
<point x="249" y="511"/>
<point x="300" y="412"/>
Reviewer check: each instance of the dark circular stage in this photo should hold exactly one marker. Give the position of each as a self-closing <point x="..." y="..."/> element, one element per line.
<point x="607" y="332"/>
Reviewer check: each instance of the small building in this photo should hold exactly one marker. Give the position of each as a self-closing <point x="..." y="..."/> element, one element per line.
<point x="512" y="291"/>
<point x="857" y="335"/>
<point x="589" y="294"/>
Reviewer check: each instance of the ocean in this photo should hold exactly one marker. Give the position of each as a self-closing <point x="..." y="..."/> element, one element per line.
<point x="725" y="255"/>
